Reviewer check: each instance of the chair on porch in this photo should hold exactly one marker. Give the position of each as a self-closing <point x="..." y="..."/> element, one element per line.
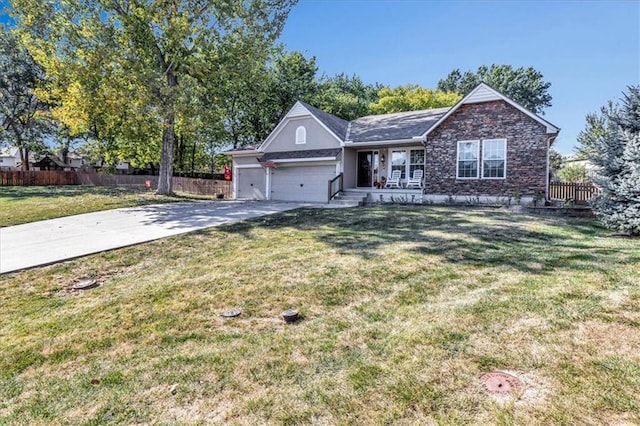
<point x="416" y="180"/>
<point x="394" y="180"/>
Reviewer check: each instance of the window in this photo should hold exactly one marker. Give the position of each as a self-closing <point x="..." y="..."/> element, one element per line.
<point x="398" y="162"/>
<point x="301" y="135"/>
<point x="494" y="156"/>
<point x="468" y="159"/>
<point x="416" y="160"/>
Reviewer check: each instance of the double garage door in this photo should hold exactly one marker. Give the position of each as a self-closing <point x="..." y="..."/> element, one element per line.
<point x="301" y="183"/>
<point x="295" y="183"/>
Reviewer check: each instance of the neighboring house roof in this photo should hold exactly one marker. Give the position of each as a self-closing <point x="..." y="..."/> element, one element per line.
<point x="52" y="159"/>
<point x="9" y="152"/>
<point x="337" y="125"/>
<point x="397" y="126"/>
<point x="298" y="155"/>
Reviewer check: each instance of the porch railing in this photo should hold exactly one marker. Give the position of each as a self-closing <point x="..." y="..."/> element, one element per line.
<point x="336" y="186"/>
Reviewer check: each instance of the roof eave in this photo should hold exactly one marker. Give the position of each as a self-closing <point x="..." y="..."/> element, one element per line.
<point x="245" y="153"/>
<point x="414" y="139"/>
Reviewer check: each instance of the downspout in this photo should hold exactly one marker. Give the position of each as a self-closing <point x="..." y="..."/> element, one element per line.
<point x="424" y="175"/>
<point x="549" y="142"/>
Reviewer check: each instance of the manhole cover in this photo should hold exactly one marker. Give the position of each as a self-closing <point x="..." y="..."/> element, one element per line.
<point x="499" y="383"/>
<point x="231" y="314"/>
<point x="85" y="284"/>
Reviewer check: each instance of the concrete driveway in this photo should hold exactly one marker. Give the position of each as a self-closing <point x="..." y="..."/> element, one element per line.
<point x="50" y="241"/>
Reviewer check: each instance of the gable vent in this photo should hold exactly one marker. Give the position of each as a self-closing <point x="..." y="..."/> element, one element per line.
<point x="298" y="110"/>
<point x="482" y="94"/>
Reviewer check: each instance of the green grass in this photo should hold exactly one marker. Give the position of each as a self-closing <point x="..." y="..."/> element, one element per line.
<point x="403" y="309"/>
<point x="32" y="203"/>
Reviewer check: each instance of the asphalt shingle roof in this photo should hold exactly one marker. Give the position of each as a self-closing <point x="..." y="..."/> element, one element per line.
<point x="401" y="125"/>
<point x="337" y="125"/>
<point x="310" y="153"/>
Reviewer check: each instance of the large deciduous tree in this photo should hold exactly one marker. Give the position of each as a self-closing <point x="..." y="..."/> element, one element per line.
<point x="23" y="115"/>
<point x="615" y="150"/>
<point x="152" y="48"/>
<point x="411" y="98"/>
<point x="526" y="86"/>
<point x="345" y="96"/>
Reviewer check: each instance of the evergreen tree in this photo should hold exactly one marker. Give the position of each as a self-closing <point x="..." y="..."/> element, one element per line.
<point x="617" y="154"/>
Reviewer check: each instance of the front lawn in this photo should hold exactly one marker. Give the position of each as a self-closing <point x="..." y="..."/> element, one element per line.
<point x="23" y="204"/>
<point x="403" y="309"/>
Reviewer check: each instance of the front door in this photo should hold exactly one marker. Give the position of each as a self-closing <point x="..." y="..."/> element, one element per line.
<point x="367" y="168"/>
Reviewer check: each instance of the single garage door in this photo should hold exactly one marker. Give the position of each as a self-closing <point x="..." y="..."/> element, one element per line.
<point x="251" y="183"/>
<point x="301" y="183"/>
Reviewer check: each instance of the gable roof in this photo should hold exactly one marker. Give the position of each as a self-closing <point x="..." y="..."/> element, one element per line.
<point x="337" y="125"/>
<point x="485" y="93"/>
<point x="396" y="126"/>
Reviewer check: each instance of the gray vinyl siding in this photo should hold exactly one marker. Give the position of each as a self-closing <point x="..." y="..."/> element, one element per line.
<point x="317" y="137"/>
<point x="349" y="168"/>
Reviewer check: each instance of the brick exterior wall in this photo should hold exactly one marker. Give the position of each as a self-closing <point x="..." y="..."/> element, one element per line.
<point x="526" y="151"/>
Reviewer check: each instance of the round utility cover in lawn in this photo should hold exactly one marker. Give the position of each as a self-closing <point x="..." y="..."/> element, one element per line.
<point x="85" y="284"/>
<point x="501" y="383"/>
<point x="233" y="313"/>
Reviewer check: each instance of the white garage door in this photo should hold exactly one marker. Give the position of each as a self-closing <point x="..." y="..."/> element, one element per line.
<point x="251" y="183"/>
<point x="301" y="183"/>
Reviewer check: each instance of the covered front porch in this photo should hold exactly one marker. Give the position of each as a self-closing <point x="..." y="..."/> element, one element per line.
<point x="370" y="168"/>
<point x="375" y="195"/>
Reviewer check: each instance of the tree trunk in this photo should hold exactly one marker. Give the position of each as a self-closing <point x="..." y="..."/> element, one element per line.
<point x="180" y="152"/>
<point x="166" y="158"/>
<point x="165" y="186"/>
<point x="24" y="157"/>
<point x="193" y="157"/>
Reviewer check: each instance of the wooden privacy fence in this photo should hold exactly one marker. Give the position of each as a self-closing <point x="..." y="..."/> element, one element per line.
<point x="181" y="184"/>
<point x="37" y="178"/>
<point x="100" y="179"/>
<point x="202" y="186"/>
<point x="580" y="193"/>
<point x="44" y="178"/>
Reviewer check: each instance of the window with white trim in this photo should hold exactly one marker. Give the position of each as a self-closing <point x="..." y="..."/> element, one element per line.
<point x="494" y="158"/>
<point x="301" y="135"/>
<point x="399" y="162"/>
<point x="416" y="160"/>
<point x="467" y="167"/>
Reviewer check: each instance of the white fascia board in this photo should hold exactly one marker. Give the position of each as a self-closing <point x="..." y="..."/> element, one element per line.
<point x="387" y="142"/>
<point x="297" y="107"/>
<point x="245" y="153"/>
<point x="304" y="160"/>
<point x="248" y="166"/>
<point x="482" y="86"/>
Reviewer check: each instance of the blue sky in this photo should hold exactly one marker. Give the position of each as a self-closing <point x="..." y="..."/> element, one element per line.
<point x="588" y="50"/>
